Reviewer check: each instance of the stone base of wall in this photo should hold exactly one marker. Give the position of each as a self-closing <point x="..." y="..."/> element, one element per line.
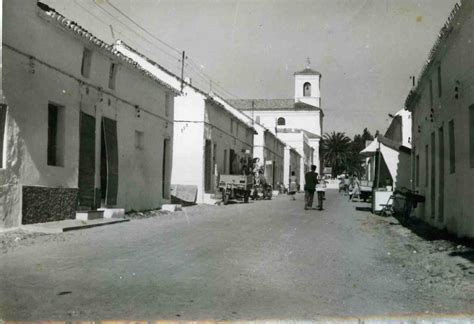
<point x="45" y="204"/>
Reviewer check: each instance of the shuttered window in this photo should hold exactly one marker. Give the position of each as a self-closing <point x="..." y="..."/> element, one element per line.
<point x="86" y="62"/>
<point x="452" y="147"/>
<point x="111" y="151"/>
<point x="55" y="135"/>
<point x="3" y="118"/>
<point x="471" y="136"/>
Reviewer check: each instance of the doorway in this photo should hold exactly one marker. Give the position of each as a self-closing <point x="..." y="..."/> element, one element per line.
<point x="86" y="177"/>
<point x="208" y="166"/>
<point x="441" y="175"/>
<point x="109" y="163"/>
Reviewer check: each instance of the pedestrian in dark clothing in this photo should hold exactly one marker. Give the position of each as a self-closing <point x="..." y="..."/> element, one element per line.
<point x="311" y="180"/>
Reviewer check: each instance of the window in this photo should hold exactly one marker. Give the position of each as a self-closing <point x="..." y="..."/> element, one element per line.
<point x="112" y="75"/>
<point x="281" y="121"/>
<point x="55" y="135"/>
<point x="139" y="138"/>
<point x="417" y="168"/>
<point x="452" y="148"/>
<point x="426" y="165"/>
<point x="431" y="93"/>
<point x="307" y="89"/>
<point x="439" y="81"/>
<point x="165" y="188"/>
<point x="86" y="62"/>
<point x="224" y="169"/>
<point x="3" y="119"/>
<point x="471" y="136"/>
<point x="167" y="104"/>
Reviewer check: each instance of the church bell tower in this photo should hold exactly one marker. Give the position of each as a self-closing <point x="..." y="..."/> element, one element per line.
<point x="307" y="86"/>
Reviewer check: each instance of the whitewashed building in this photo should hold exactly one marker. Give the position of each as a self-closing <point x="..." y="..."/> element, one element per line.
<point x="210" y="136"/>
<point x="298" y="122"/>
<point x="271" y="152"/>
<point x="83" y="126"/>
<point x="442" y="107"/>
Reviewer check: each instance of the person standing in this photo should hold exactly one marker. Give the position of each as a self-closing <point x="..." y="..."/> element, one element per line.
<point x="293" y="188"/>
<point x="321" y="189"/>
<point x="311" y="180"/>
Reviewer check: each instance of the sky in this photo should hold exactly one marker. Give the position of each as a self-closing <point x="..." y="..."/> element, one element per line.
<point x="366" y="50"/>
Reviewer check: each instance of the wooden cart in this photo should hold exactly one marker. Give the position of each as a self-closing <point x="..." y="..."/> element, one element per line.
<point x="235" y="187"/>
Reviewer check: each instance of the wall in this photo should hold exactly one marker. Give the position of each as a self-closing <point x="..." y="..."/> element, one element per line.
<point x="274" y="154"/>
<point x="304" y="119"/>
<point x="30" y="85"/>
<point x="197" y="119"/>
<point x="314" y="80"/>
<point x="297" y="141"/>
<point x="455" y="58"/>
<point x="188" y="150"/>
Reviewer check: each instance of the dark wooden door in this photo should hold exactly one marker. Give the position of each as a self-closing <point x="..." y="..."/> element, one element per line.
<point x="208" y="166"/>
<point x="86" y="182"/>
<point x="109" y="130"/>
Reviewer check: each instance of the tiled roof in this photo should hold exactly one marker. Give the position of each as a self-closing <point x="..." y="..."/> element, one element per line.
<point x="307" y="71"/>
<point x="297" y="130"/>
<point x="270" y="104"/>
<point x="88" y="37"/>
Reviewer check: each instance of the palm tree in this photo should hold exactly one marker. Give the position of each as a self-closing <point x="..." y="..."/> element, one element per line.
<point x="335" y="150"/>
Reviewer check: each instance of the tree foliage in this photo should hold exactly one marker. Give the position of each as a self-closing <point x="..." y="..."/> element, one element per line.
<point x="342" y="154"/>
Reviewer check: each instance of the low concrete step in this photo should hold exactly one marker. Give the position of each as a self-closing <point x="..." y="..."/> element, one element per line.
<point x="89" y="214"/>
<point x="171" y="207"/>
<point x="69" y="225"/>
<point x="113" y="212"/>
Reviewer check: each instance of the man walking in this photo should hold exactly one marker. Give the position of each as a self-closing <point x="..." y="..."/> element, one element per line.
<point x="311" y="180"/>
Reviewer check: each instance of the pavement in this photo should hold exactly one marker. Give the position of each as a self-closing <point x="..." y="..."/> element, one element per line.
<point x="266" y="260"/>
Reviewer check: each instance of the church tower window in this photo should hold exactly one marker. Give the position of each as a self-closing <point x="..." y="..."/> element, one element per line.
<point x="281" y="121"/>
<point x="307" y="89"/>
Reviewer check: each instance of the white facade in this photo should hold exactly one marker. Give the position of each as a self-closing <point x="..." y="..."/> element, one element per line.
<point x="210" y="136"/>
<point x="442" y="106"/>
<point x="84" y="127"/>
<point x="270" y="151"/>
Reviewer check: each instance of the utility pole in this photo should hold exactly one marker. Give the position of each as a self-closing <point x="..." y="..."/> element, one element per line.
<point x="182" y="70"/>
<point x="253" y="109"/>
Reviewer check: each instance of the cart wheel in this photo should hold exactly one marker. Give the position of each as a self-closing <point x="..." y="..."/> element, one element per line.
<point x="226" y="198"/>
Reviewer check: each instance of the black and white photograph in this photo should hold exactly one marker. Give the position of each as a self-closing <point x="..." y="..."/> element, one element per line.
<point x="262" y="161"/>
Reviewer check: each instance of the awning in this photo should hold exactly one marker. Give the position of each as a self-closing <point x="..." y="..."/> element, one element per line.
<point x="389" y="153"/>
<point x="371" y="148"/>
<point x="390" y="157"/>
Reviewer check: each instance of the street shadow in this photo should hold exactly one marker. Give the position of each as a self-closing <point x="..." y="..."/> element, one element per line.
<point x="468" y="255"/>
<point x="431" y="233"/>
<point x="364" y="208"/>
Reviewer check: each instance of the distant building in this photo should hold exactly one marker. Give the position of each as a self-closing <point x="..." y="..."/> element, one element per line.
<point x="442" y="106"/>
<point x="271" y="152"/>
<point x="210" y="136"/>
<point x="83" y="127"/>
<point x="298" y="122"/>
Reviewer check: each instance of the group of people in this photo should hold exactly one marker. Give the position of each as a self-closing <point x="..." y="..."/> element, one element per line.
<point x="312" y="184"/>
<point x="350" y="185"/>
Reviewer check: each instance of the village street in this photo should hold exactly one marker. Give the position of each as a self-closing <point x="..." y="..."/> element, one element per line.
<point x="262" y="260"/>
